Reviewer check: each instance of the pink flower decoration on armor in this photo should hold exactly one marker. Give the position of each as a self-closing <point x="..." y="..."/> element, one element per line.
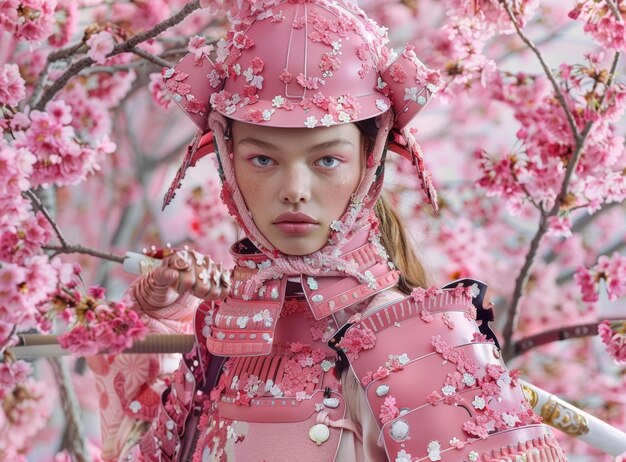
<point x="241" y="41"/>
<point x="459" y="290"/>
<point x="257" y="65"/>
<point x="445" y="317"/>
<point x="388" y="410"/>
<point x="475" y="430"/>
<point x="12" y="85"/>
<point x="478" y="337"/>
<point x="434" y="398"/>
<point x="418" y="294"/>
<point x="367" y="378"/>
<point x="357" y="338"/>
<point x="381" y="373"/>
<point x="100" y="45"/>
<point x="613" y="335"/>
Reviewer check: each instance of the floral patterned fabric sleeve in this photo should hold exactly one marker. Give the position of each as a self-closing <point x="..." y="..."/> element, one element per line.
<point x="130" y="386"/>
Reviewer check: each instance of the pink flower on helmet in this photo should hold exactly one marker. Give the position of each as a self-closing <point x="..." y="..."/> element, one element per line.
<point x="194" y="106"/>
<point x="362" y="52"/>
<point x="329" y="63"/>
<point x="285" y="76"/>
<point x="100" y="45"/>
<point x="253" y="116"/>
<point x="321" y="101"/>
<point x="398" y="73"/>
<point x="310" y="83"/>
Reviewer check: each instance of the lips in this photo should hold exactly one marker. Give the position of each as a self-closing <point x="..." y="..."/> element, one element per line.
<point x="294" y="217"/>
<point x="295" y="223"/>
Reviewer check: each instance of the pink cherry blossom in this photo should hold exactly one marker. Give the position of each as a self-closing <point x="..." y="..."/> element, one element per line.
<point x="12" y="85"/>
<point x="100" y="45"/>
<point x="613" y="335"/>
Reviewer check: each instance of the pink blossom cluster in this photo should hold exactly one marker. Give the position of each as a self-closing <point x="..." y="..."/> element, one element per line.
<point x="535" y="172"/>
<point x="601" y="23"/>
<point x="611" y="270"/>
<point x="492" y="13"/>
<point x="12" y="85"/>
<point x="613" y="334"/>
<point x="98" y="326"/>
<point x="66" y="24"/>
<point x="28" y="20"/>
<point x="61" y="158"/>
<point x="26" y="410"/>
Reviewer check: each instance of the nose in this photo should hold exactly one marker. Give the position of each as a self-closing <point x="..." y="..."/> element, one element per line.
<point x="295" y="185"/>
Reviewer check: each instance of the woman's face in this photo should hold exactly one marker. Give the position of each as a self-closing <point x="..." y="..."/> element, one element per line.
<point x="297" y="181"/>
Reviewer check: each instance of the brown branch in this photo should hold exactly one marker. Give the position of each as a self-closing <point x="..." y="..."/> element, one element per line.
<point x="557" y="90"/>
<point x="579" y="138"/>
<point x="67" y="249"/>
<point x="124" y="47"/>
<point x="69" y="402"/>
<point x="152" y="58"/>
<point x="42" y="208"/>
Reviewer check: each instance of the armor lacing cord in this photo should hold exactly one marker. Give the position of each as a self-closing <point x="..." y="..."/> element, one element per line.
<point x="324" y="419"/>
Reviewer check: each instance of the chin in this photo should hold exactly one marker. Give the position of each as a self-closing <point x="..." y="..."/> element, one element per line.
<point x="299" y="249"/>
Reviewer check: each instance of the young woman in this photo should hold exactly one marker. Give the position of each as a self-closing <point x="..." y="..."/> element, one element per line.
<point x="334" y="349"/>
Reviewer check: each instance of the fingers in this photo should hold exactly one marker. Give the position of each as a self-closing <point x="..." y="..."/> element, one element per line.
<point x="210" y="281"/>
<point x="193" y="272"/>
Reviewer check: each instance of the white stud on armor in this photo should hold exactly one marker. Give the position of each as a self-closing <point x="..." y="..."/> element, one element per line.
<point x="399" y="430"/>
<point x="331" y="402"/>
<point x="382" y="390"/>
<point x="319" y="433"/>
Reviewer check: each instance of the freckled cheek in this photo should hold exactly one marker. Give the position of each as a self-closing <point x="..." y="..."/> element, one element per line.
<point x="250" y="188"/>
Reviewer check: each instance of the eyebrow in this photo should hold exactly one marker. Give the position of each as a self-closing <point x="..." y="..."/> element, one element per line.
<point x="318" y="147"/>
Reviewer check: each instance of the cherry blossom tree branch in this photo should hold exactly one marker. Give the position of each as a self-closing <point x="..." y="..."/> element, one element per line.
<point x="579" y="139"/>
<point x="42" y="208"/>
<point x="557" y="89"/>
<point x="76" y="435"/>
<point x="66" y="249"/>
<point x="124" y="47"/>
<point x="152" y="58"/>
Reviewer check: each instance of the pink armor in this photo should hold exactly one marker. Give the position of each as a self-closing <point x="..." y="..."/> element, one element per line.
<point x="418" y="359"/>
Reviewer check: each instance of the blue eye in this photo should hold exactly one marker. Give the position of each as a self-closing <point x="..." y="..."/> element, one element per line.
<point x="261" y="161"/>
<point x="328" y="162"/>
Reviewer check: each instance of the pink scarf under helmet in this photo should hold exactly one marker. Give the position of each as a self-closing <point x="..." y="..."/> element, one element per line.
<point x="303" y="63"/>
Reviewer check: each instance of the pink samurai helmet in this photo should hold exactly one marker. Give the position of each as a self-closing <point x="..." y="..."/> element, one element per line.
<point x="302" y="63"/>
